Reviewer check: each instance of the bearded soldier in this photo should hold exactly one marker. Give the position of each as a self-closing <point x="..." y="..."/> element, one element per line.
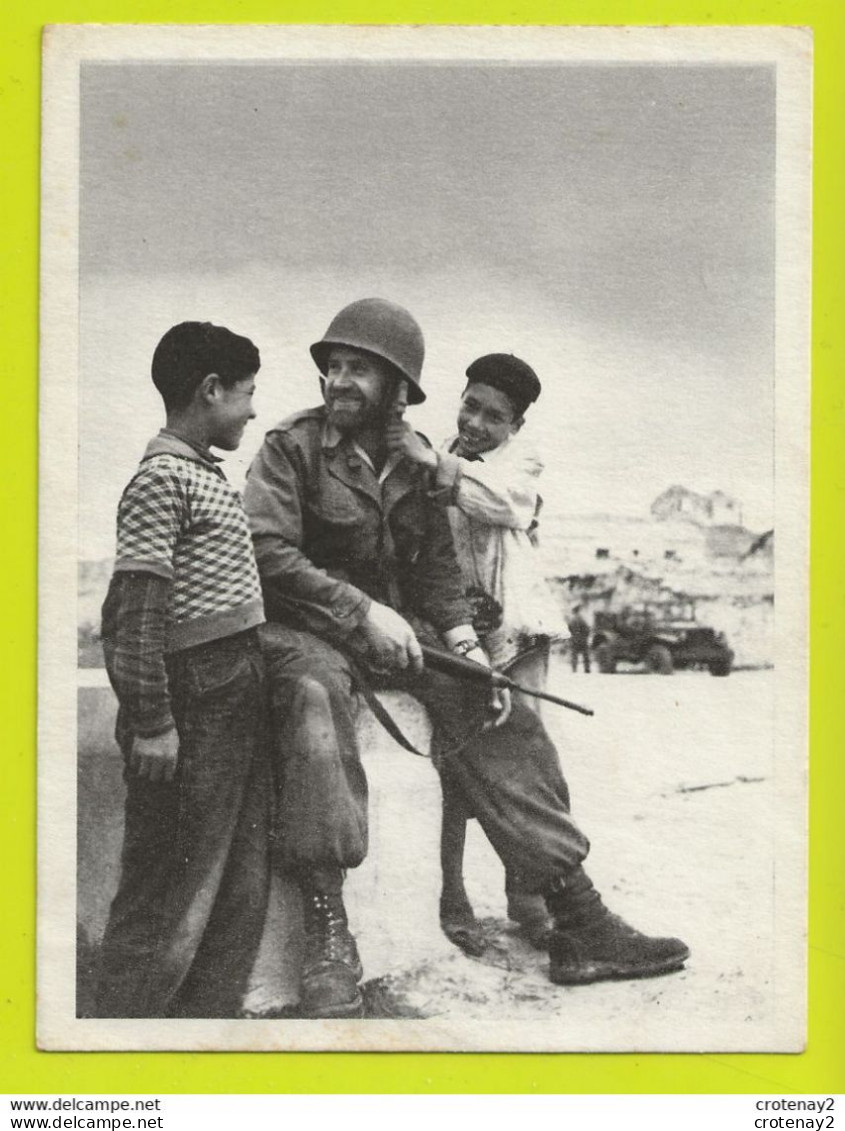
<point x="358" y="567"/>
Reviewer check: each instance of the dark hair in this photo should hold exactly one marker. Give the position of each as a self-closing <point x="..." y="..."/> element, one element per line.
<point x="190" y="351"/>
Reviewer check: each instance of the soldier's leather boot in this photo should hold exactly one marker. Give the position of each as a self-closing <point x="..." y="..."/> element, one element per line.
<point x="331" y="967"/>
<point x="590" y="944"/>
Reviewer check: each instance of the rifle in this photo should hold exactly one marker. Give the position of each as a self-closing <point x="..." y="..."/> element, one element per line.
<point x="459" y="667"/>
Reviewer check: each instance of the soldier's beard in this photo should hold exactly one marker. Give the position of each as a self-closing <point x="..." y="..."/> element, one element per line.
<point x="354" y="415"/>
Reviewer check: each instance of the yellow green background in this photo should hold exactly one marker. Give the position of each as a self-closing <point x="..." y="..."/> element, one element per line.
<point x="821" y="1069"/>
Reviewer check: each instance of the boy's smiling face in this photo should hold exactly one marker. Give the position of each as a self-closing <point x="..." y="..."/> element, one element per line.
<point x="231" y="410"/>
<point x="486" y="418"/>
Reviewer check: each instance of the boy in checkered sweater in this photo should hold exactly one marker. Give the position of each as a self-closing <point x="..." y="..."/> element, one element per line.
<point x="180" y="641"/>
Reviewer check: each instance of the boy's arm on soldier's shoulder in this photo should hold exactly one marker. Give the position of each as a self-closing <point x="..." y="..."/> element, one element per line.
<point x="499" y="492"/>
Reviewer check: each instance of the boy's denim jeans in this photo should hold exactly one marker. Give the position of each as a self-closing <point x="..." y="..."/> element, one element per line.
<point x="186" y="922"/>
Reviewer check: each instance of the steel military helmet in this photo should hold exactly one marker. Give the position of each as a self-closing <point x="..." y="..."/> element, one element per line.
<point x="382" y="328"/>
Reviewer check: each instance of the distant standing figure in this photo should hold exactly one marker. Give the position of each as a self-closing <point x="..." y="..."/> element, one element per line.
<point x="579" y="643"/>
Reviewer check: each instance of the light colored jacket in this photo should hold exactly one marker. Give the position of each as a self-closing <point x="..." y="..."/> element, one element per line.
<point x="493" y="503"/>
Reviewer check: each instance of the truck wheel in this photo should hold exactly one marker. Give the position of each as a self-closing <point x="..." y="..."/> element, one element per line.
<point x="659" y="660"/>
<point x="604" y="659"/>
<point x="720" y="667"/>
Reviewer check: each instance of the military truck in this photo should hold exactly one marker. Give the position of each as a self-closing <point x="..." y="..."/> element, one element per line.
<point x="662" y="638"/>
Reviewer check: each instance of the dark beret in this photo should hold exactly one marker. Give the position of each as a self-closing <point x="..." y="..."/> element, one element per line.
<point x="512" y="376"/>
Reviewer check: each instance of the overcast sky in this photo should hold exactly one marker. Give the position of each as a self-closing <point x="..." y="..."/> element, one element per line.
<point x="612" y="224"/>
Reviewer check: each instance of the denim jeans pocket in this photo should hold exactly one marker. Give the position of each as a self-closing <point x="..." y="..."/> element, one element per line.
<point x="213" y="670"/>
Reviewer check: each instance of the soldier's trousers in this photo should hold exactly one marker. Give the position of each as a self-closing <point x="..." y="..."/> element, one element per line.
<point x="187" y="919"/>
<point x="509" y="777"/>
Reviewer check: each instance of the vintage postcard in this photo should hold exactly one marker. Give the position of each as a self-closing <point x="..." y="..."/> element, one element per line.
<point x="489" y="340"/>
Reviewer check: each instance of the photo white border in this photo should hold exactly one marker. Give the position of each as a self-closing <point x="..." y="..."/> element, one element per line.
<point x="66" y="47"/>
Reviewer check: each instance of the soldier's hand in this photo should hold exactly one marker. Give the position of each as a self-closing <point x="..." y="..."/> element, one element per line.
<point x="391" y="639"/>
<point x="402" y="438"/>
<point x="155" y="758"/>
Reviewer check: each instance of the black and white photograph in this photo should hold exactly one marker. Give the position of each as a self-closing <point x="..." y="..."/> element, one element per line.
<point x="424" y="431"/>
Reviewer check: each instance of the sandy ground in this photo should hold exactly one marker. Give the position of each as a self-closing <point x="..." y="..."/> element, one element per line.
<point x="696" y="818"/>
<point x="675" y="781"/>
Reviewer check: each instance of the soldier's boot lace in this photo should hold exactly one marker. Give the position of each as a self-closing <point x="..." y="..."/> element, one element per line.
<point x="331" y="967"/>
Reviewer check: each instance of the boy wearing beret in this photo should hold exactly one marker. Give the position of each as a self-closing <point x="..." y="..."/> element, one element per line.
<point x="489" y="478"/>
<point x="489" y="483"/>
<point x="180" y="640"/>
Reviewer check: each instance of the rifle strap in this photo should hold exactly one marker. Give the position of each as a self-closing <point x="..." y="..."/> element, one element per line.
<point x="392" y="727"/>
<point x="380" y="711"/>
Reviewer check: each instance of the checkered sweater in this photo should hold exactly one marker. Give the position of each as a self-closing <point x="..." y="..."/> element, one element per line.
<point x="180" y="518"/>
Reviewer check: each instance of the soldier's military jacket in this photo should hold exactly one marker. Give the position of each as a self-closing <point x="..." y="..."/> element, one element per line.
<point x="331" y="534"/>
